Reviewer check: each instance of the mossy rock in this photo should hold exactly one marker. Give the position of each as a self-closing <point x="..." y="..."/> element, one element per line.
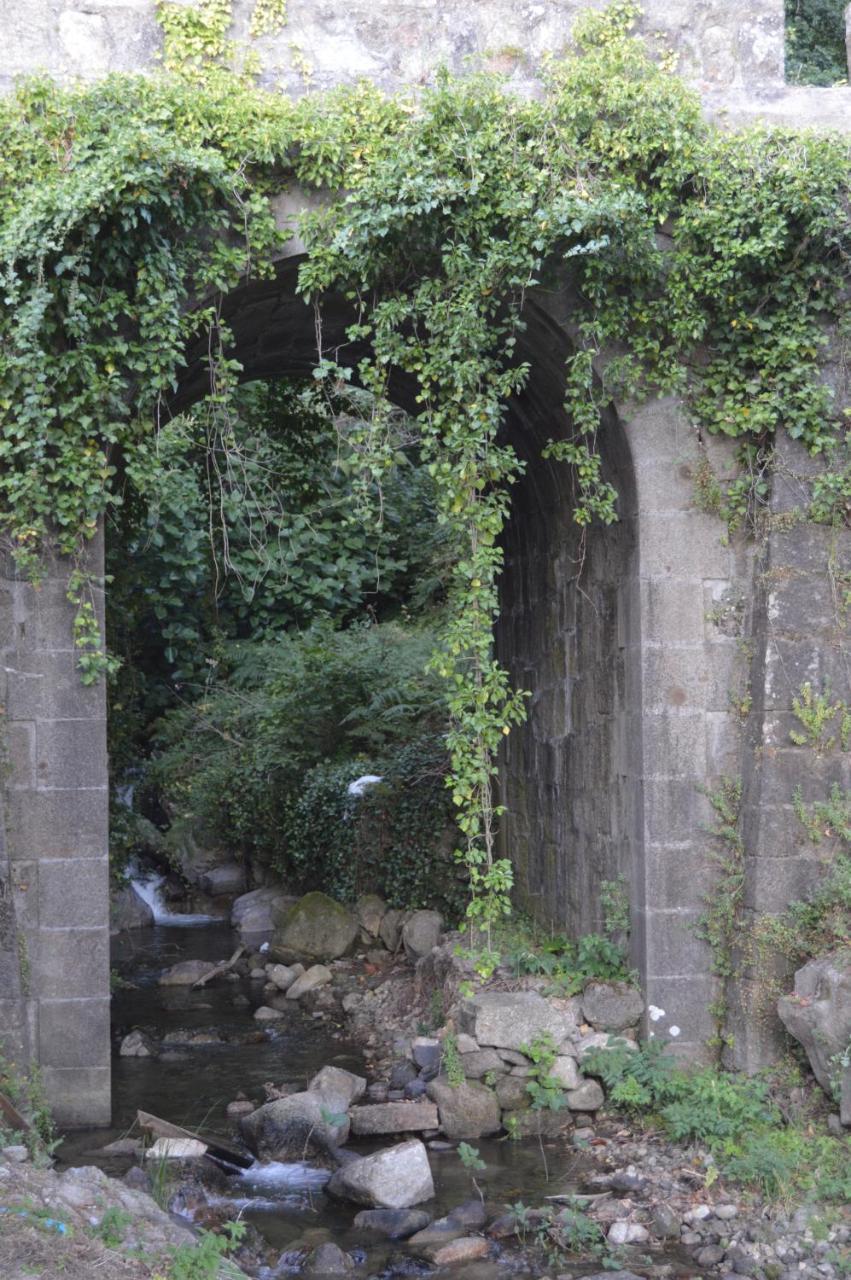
<point x="316" y="927"/>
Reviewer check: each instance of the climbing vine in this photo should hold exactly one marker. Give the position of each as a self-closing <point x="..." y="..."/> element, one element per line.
<point x="698" y="263"/>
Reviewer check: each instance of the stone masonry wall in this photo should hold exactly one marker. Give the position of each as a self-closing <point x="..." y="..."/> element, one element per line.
<point x="54" y="880"/>
<point x="722" y="44"/>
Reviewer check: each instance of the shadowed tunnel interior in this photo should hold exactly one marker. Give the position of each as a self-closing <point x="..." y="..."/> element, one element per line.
<point x="568" y="625"/>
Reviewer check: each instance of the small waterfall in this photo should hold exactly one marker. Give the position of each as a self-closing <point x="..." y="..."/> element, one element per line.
<point x="298" y="1176"/>
<point x="148" y="885"/>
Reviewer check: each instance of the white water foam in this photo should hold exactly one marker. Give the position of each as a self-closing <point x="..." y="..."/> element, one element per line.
<point x="149" y="885"/>
<point x="287" y="1177"/>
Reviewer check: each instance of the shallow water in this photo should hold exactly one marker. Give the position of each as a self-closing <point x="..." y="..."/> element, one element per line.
<point x="194" y="1083"/>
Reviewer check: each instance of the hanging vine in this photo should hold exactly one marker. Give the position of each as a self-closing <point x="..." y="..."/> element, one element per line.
<point x="145" y="196"/>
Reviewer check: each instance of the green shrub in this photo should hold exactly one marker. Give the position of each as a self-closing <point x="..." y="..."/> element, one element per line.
<point x="815" y="42"/>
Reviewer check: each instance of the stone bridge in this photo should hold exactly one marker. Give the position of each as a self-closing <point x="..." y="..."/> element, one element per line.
<point x="671" y="666"/>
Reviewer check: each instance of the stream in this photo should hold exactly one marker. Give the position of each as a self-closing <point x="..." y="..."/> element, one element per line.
<point x="192" y="1084"/>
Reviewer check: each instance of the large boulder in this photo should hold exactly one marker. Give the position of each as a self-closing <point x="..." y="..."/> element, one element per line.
<point x="225" y="880"/>
<point x="512" y="1019"/>
<point x="315" y="927"/>
<point x="612" y="1006"/>
<point x="421" y="933"/>
<point x="251" y="913"/>
<point x="819" y="1013"/>
<point x="129" y="910"/>
<point x="344" y="1086"/>
<point x="395" y="1178"/>
<point x="468" y="1110"/>
<point x="286" y="1128"/>
<point x="370" y="911"/>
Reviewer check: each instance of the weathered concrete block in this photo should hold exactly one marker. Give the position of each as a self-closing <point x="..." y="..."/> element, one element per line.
<point x="73" y="889"/>
<point x="71" y="963"/>
<point x="74" y="1033"/>
<point x="71" y="753"/>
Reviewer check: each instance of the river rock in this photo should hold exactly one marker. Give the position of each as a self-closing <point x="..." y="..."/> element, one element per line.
<point x="544" y="1123"/>
<point x="819" y="1012"/>
<point x="391" y="928"/>
<point x="316" y="927"/>
<point x="482" y="1061"/>
<point x="393" y="1224"/>
<point x="588" y="1096"/>
<point x="565" y="1071"/>
<point x="512" y="1019"/>
<point x="225" y="880"/>
<point x="281" y="975"/>
<point x="251" y="913"/>
<point x="602" y="1040"/>
<point x="612" y="1006"/>
<point x="421" y="932"/>
<point x="627" y="1233"/>
<point x="316" y="976"/>
<point x="512" y="1093"/>
<point x="341" y="1085"/>
<point x="468" y="1110"/>
<point x="427" y="1053"/>
<point x="328" y="1259"/>
<point x="267" y="1014"/>
<point x="394" y="1117"/>
<point x="370" y="911"/>
<point x="395" y="1178"/>
<point x="136" y="1045"/>
<point x="185" y="973"/>
<point x="129" y="910"/>
<point x="453" y="1253"/>
<point x="286" y="1128"/>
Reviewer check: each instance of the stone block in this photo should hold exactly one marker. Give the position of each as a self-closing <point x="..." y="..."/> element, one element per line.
<point x="58" y="823"/>
<point x="772" y="883"/>
<point x="679" y="876"/>
<point x="394" y="1117"/>
<point x="74" y="1033"/>
<point x="671" y="611"/>
<point x="673" y="948"/>
<point x="676" y="811"/>
<point x="71" y="753"/>
<point x="21" y="751"/>
<point x="80" y="1097"/>
<point x="71" y="963"/>
<point x="683" y="545"/>
<point x="74" y="891"/>
<point x="51" y="621"/>
<point x="674" y="745"/>
<point x="46" y="684"/>
<point x="686" y="1007"/>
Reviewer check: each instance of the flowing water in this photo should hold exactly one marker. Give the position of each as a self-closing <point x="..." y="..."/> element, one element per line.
<point x="214" y="1051"/>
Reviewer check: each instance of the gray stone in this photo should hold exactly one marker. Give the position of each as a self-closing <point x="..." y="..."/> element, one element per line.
<point x="512" y="1019"/>
<point x="627" y="1233"/>
<point x="370" y="911"/>
<point x="391" y="928"/>
<point x="16" y="1153"/>
<point x="426" y="1052"/>
<point x="344" y="1086"/>
<point x="602" y="1040"/>
<point x="468" y="1110"/>
<point x="544" y="1123"/>
<point x="318" y="975"/>
<point x="267" y="1014"/>
<point x="666" y="1222"/>
<point x="512" y="1093"/>
<point x="393" y="1224"/>
<point x="482" y="1062"/>
<point x="287" y="1128"/>
<point x="565" y="1071"/>
<point x="612" y="1006"/>
<point x="281" y="975"/>
<point x="137" y="1045"/>
<point x="588" y="1096"/>
<point x="185" y="973"/>
<point x="394" y="1117"/>
<point x="251" y="913"/>
<point x="315" y="927"/>
<point x="421" y="932"/>
<point x="328" y="1259"/>
<point x="845" y="1098"/>
<point x="127" y="910"/>
<point x="465" y="1043"/>
<point x="456" y="1252"/>
<point x="225" y="880"/>
<point x="394" y="1178"/>
<point x="819" y="1012"/>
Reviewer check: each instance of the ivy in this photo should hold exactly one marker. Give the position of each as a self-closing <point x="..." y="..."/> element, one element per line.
<point x="700" y="263"/>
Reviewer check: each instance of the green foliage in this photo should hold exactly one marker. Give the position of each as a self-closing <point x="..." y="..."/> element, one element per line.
<point x="614" y="905"/>
<point x="704" y="1105"/>
<point x="141" y="197"/>
<point x="562" y="1230"/>
<point x="545" y="1091"/>
<point x="113" y="1227"/>
<point x="720" y="924"/>
<point x="790" y="1164"/>
<point x="570" y="965"/>
<point x="821" y="922"/>
<point x="450" y="1062"/>
<point x="203" y="1259"/>
<point x="815" y="42"/>
<point x="24" y="1088"/>
<point x="824" y="723"/>
<point x="470" y="1158"/>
